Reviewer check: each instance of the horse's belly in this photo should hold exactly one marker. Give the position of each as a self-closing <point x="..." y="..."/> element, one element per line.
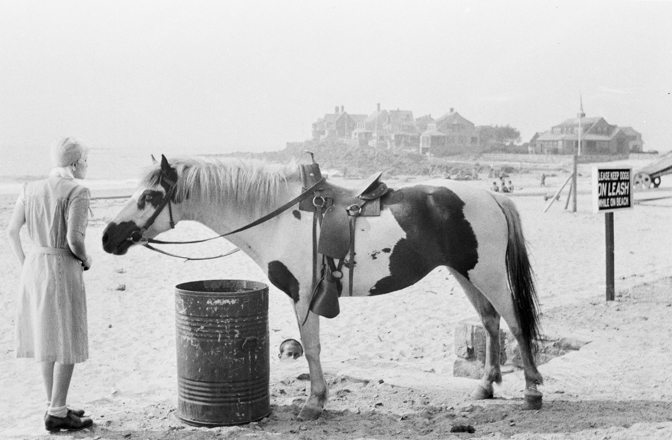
<point x="375" y="239"/>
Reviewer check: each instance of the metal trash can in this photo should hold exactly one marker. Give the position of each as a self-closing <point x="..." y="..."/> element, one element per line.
<point x="223" y="366"/>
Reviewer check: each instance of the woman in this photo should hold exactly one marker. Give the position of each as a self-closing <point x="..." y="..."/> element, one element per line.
<point x="51" y="323"/>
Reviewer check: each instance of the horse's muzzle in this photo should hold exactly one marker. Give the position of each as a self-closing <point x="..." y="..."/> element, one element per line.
<point x="117" y="238"/>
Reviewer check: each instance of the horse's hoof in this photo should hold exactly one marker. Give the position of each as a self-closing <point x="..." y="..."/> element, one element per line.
<point x="309" y="413"/>
<point x="532" y="399"/>
<point x="482" y="393"/>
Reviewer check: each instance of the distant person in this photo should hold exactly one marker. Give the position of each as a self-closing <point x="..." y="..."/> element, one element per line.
<point x="494" y="186"/>
<point x="290" y="349"/>
<point x="502" y="185"/>
<point x="51" y="321"/>
<point x="509" y="185"/>
<point x="542" y="180"/>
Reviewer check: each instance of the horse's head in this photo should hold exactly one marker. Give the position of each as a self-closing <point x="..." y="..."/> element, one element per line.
<point x="147" y="214"/>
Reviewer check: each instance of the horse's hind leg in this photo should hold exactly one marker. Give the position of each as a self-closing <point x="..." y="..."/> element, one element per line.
<point x="310" y="337"/>
<point x="490" y="319"/>
<point x="499" y="297"/>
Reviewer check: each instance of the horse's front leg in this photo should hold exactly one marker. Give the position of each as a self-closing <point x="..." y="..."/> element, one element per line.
<point x="310" y="337"/>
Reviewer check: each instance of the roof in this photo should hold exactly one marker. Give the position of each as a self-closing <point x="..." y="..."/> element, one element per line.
<point x="400" y="116"/>
<point x="424" y="118"/>
<point x="452" y="118"/>
<point x="549" y="136"/>
<point x="630" y="131"/>
<point x="575" y="121"/>
<point x="375" y="115"/>
<point x="330" y="117"/>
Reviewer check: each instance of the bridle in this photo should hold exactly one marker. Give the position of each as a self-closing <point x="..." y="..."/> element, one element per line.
<point x="137" y="236"/>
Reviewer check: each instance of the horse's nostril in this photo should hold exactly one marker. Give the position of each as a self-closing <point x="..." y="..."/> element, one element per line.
<point x="106" y="238"/>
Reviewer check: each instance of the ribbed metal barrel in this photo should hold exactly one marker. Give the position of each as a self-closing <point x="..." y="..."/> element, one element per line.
<point x="223" y="354"/>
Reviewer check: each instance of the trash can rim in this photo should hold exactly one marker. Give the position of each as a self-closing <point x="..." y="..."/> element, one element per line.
<point x="242" y="286"/>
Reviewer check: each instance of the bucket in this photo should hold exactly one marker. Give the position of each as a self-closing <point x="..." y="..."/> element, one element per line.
<point x="223" y="354"/>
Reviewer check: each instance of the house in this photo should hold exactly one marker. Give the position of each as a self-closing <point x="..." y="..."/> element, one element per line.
<point x="449" y="134"/>
<point x="597" y="137"/>
<point x="401" y="125"/>
<point x="422" y="122"/>
<point x="635" y="142"/>
<point x="388" y="129"/>
<point x="432" y="140"/>
<point x="339" y="124"/>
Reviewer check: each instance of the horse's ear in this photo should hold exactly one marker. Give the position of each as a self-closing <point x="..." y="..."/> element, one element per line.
<point x="168" y="174"/>
<point x="154" y="161"/>
<point x="165" y="166"/>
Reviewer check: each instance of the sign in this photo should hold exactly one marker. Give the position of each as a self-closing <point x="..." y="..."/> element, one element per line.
<point x="612" y="189"/>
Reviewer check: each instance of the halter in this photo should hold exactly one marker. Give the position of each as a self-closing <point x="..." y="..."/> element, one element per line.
<point x="137" y="236"/>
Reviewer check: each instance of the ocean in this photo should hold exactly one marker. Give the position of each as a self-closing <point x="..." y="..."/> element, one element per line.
<point x="109" y="169"/>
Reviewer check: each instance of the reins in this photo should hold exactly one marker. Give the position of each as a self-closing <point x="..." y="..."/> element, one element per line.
<point x="136" y="236"/>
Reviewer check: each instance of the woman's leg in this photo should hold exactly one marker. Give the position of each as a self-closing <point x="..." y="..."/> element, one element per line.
<point x="59" y="417"/>
<point x="61" y="384"/>
<point x="48" y="378"/>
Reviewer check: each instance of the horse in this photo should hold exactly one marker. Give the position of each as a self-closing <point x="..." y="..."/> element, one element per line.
<point x="476" y="234"/>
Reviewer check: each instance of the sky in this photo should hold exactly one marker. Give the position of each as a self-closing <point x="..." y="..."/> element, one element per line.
<point x="224" y="76"/>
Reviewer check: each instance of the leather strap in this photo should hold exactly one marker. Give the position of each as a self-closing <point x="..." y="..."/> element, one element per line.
<point x="190" y="258"/>
<point x="304" y="195"/>
<point x="351" y="263"/>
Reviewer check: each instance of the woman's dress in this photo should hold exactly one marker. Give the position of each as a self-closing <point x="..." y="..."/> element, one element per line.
<point x="51" y="321"/>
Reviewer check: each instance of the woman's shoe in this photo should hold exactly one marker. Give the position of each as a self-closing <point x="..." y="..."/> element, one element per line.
<point x="70" y="423"/>
<point x="75" y="411"/>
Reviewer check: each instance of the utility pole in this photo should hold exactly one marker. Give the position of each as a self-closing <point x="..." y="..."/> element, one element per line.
<point x="575" y="159"/>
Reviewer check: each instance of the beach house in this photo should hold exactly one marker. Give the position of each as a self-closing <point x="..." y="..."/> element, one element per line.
<point x="598" y="137"/>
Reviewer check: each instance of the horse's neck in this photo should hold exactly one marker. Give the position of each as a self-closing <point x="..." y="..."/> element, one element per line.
<point x="226" y="216"/>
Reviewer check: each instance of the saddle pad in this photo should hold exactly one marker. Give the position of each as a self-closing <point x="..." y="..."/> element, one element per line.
<point x="335" y="233"/>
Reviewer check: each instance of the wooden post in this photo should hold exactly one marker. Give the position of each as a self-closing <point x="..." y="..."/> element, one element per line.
<point x="569" y="196"/>
<point x="556" y="194"/>
<point x="577" y="153"/>
<point x="609" y="236"/>
<point x="572" y="191"/>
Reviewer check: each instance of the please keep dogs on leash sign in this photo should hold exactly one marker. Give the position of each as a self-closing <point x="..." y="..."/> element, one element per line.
<point x="612" y="189"/>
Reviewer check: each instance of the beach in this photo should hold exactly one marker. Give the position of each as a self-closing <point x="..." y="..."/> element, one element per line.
<point x="388" y="359"/>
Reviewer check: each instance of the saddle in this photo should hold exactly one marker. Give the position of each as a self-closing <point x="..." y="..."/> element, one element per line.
<point x="335" y="212"/>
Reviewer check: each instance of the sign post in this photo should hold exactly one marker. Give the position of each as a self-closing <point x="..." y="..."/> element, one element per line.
<point x="612" y="191"/>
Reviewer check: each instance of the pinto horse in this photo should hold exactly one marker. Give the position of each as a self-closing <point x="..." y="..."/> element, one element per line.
<point x="475" y="233"/>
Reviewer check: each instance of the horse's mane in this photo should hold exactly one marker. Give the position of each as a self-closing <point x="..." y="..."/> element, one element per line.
<point x="252" y="185"/>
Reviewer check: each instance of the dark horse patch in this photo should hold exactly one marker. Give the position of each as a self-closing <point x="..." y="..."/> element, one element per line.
<point x="425" y="212"/>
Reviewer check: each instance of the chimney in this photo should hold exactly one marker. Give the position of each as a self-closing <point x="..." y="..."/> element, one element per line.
<point x="342" y="109"/>
<point x="452" y="110"/>
<point x="378" y="106"/>
<point x="336" y="109"/>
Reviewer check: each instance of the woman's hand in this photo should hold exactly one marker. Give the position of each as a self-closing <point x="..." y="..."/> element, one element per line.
<point x="87" y="262"/>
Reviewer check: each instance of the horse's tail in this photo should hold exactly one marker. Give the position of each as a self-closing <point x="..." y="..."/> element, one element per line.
<point x="520" y="274"/>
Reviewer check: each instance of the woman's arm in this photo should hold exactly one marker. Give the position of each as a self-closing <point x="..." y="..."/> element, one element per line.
<point x="14" y="229"/>
<point x="78" y="218"/>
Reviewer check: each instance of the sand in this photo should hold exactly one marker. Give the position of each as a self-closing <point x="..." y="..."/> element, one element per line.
<point x="388" y="359"/>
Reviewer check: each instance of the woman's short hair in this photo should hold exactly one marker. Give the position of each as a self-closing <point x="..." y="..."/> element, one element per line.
<point x="67" y="151"/>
